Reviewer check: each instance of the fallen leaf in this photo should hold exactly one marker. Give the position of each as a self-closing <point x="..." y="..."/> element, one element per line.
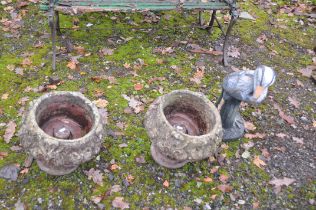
<point x="208" y="179"/>
<point x="97" y="79"/>
<point x="51" y="87"/>
<point x="138" y="86"/>
<point x="214" y="169"/>
<point x="112" y="80"/>
<point x="163" y="51"/>
<point x="9" y="132"/>
<point x="262" y="39"/>
<point x="198" y="75"/>
<point x="151" y="80"/>
<point x="248" y="145"/>
<point x="123" y="145"/>
<point x="95" y="175"/>
<point x="307" y="72"/>
<point x="166" y="184"/>
<point x="255" y="136"/>
<point x="11" y="67"/>
<point x="114" y="167"/>
<point x="127" y="65"/>
<point x="72" y="64"/>
<point x="265" y="153"/>
<point x="176" y="69"/>
<point x="140" y="159"/>
<point x="121" y="125"/>
<point x="249" y="126"/>
<point x="106" y="51"/>
<point x="115" y="188"/>
<point x="19" y="71"/>
<point x="101" y="103"/>
<point x="3" y="155"/>
<point x="26" y="62"/>
<point x="294" y="102"/>
<point x="136" y="105"/>
<point x="281" y="135"/>
<point x="287" y="118"/>
<point x="96" y="199"/>
<point x="223" y="178"/>
<point x="23" y="100"/>
<point x="258" y="162"/>
<point x="24" y="171"/>
<point x="255" y="205"/>
<point x="298" y="140"/>
<point x="80" y="50"/>
<point x="225" y="188"/>
<point x="130" y="178"/>
<point x="119" y="203"/>
<point x="5" y="96"/>
<point x="278" y="183"/>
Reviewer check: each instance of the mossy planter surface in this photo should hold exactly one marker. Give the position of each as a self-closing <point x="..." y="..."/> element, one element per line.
<point x="184" y="126"/>
<point x="61" y="130"/>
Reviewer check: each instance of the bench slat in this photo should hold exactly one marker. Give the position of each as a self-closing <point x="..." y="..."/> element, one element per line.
<point x="84" y="6"/>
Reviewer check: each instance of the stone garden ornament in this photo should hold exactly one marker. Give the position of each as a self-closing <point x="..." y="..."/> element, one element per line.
<point x="184" y="126"/>
<point x="248" y="86"/>
<point x="61" y="130"/>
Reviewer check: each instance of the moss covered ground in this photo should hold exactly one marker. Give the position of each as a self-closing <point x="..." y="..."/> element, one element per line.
<point x="134" y="36"/>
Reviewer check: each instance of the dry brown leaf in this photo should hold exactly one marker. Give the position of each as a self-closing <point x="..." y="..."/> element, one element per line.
<point x="80" y="50"/>
<point x="3" y="155"/>
<point x="223" y="178"/>
<point x="136" y="105"/>
<point x="208" y="179"/>
<point x="127" y="65"/>
<point x="5" y="96"/>
<point x="225" y="188"/>
<point x="114" y="167"/>
<point x="95" y="175"/>
<point x="97" y="79"/>
<point x="138" y="86"/>
<point x="262" y="38"/>
<point x="278" y="183"/>
<point x="166" y="184"/>
<point x="294" y="102"/>
<point x="255" y="205"/>
<point x="281" y="135"/>
<point x="51" y="87"/>
<point x="265" y="153"/>
<point x="307" y="72"/>
<point x="233" y="52"/>
<point x="255" y="136"/>
<point x="130" y="178"/>
<point x="249" y="126"/>
<point x="258" y="162"/>
<point x="96" y="199"/>
<point x="119" y="203"/>
<point x="9" y="132"/>
<point x="298" y="140"/>
<point x="198" y="75"/>
<point x="151" y="80"/>
<point x="101" y="103"/>
<point x="24" y="171"/>
<point x="26" y="62"/>
<point x="72" y="64"/>
<point x="214" y="169"/>
<point x="140" y="159"/>
<point x="176" y="69"/>
<point x="106" y="51"/>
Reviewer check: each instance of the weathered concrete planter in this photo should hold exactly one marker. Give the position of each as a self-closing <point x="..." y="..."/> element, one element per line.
<point x="183" y="126"/>
<point x="61" y="130"/>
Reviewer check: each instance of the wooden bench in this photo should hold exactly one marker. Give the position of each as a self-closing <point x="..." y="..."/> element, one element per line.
<point x="76" y="7"/>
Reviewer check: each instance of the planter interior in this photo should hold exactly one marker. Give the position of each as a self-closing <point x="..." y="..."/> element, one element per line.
<point x="64" y="117"/>
<point x="188" y="114"/>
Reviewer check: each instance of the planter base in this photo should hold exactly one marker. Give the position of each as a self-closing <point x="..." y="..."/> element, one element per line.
<point x="163" y="160"/>
<point x="56" y="172"/>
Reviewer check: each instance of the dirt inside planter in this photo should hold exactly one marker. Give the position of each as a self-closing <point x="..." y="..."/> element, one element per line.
<point x="186" y="119"/>
<point x="64" y="120"/>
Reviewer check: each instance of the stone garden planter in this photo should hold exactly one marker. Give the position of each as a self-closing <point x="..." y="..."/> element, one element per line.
<point x="183" y="126"/>
<point x="61" y="130"/>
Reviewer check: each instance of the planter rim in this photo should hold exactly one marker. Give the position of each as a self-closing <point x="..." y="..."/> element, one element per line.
<point x="37" y="102"/>
<point x="207" y="102"/>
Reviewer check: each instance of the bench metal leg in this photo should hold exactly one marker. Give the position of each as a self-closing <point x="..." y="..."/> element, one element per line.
<point x="211" y="23"/>
<point x="57" y="23"/>
<point x="52" y="24"/>
<point x="234" y="16"/>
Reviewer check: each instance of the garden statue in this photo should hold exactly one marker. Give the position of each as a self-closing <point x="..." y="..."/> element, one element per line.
<point x="248" y="86"/>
